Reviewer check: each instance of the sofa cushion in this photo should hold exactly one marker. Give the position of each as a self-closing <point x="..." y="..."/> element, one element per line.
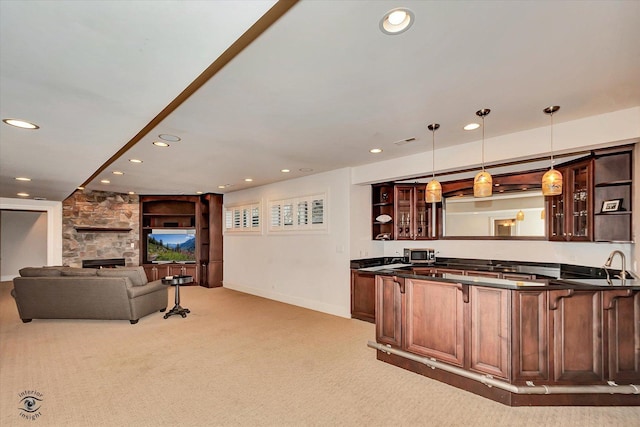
<point x="136" y="274"/>
<point x="40" y="272"/>
<point x="70" y="271"/>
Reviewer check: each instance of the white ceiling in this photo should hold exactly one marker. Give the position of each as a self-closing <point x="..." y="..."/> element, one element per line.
<point x="316" y="90"/>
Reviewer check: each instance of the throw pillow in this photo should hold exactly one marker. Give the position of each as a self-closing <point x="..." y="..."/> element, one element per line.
<point x="39" y="272"/>
<point x="136" y="274"/>
<point x="70" y="271"/>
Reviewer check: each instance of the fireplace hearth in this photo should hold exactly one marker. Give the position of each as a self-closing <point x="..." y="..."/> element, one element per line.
<point x="103" y="263"/>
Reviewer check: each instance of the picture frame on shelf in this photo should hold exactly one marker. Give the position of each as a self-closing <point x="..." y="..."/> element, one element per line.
<point x="612" y="205"/>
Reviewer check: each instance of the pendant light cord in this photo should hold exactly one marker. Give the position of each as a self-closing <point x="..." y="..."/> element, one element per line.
<point x="551" y="114"/>
<point x="482" y="143"/>
<point x="433" y="154"/>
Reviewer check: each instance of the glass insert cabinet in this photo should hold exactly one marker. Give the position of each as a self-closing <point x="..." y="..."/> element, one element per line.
<point x="571" y="212"/>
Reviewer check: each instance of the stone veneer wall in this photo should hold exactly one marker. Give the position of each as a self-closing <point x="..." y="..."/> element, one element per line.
<point x="100" y="209"/>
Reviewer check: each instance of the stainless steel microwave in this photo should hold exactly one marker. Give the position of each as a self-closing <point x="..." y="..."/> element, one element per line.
<point x="420" y="256"/>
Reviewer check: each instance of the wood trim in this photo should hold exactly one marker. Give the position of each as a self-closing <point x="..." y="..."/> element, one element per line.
<point x="261" y="25"/>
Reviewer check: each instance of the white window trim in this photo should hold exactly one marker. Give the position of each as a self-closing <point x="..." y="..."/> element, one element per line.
<point x="246" y="218"/>
<point x="291" y="217"/>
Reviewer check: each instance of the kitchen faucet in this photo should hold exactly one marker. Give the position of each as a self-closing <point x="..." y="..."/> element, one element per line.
<point x="607" y="264"/>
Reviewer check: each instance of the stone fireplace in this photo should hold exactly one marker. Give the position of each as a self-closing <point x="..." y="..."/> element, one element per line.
<point x="100" y="225"/>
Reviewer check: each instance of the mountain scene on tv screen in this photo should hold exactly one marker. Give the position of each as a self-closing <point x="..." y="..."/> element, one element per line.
<point x="158" y="249"/>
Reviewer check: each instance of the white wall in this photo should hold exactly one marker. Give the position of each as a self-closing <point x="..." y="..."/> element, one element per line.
<point x="53" y="226"/>
<point x="23" y="241"/>
<point x="310" y="270"/>
<point x="599" y="131"/>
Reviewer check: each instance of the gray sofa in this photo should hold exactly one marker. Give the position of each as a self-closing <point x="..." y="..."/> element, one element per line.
<point x="87" y="293"/>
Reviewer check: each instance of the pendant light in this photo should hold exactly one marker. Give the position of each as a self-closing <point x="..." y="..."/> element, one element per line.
<point x="520" y="215"/>
<point x="433" y="193"/>
<point x="483" y="182"/>
<point x="552" y="180"/>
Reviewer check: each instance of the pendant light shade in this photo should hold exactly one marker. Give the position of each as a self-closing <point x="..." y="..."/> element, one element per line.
<point x="552" y="179"/>
<point x="433" y="193"/>
<point x="520" y="215"/>
<point x="483" y="182"/>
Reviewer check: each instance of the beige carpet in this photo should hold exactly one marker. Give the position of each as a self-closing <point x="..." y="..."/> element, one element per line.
<point x="236" y="360"/>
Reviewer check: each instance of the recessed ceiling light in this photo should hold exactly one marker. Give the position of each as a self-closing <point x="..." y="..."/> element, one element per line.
<point x="248" y="179"/>
<point x="396" y="21"/>
<point x="135" y="161"/>
<point x="20" y="124"/>
<point x="375" y="150"/>
<point x="198" y="192"/>
<point x="222" y="186"/>
<point x="471" y="126"/>
<point x="285" y="170"/>
<point x="80" y="188"/>
<point x="160" y="144"/>
<point x="132" y="192"/>
<point x="105" y="181"/>
<point x="170" y="138"/>
<point x="22" y="178"/>
<point x="23" y="194"/>
<point x="117" y="173"/>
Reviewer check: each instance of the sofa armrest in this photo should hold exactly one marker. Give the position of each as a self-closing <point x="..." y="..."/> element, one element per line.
<point x="136" y="291"/>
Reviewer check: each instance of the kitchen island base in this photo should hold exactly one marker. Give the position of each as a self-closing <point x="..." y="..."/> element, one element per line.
<point x="506" y="397"/>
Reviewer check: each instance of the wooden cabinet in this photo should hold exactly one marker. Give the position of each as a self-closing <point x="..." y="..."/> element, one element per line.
<point x="613" y="195"/>
<point x="414" y="217"/>
<point x="555" y="337"/>
<point x="434" y="320"/>
<point x="198" y="216"/>
<point x="363" y="296"/>
<point x="576" y="318"/>
<point x="399" y="212"/>
<point x="623" y="335"/>
<point x="490" y="331"/>
<point x="571" y="213"/>
<point x="382" y="198"/>
<point x="530" y="336"/>
<point x="389" y="307"/>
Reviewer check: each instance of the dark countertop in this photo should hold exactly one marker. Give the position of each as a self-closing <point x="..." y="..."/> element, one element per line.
<point x="548" y="275"/>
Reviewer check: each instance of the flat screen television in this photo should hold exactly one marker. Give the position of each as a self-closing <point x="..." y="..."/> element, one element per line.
<point x="166" y="245"/>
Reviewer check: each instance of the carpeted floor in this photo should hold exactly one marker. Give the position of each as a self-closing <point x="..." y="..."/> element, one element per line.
<point x="236" y="360"/>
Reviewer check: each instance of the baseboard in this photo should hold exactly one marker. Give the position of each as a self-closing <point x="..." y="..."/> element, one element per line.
<point x="288" y="299"/>
<point x="7" y="278"/>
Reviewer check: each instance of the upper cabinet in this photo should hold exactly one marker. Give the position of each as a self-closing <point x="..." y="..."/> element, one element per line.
<point x="414" y="217"/>
<point x="382" y="211"/>
<point x="612" y="195"/>
<point x="595" y="205"/>
<point x="571" y="213"/>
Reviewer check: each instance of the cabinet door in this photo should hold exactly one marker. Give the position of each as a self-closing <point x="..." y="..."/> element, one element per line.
<point x="404" y="215"/>
<point x="530" y="355"/>
<point x="490" y="331"/>
<point x="577" y="336"/>
<point x="389" y="310"/>
<point x="434" y="323"/>
<point x="580" y="212"/>
<point x="152" y="272"/>
<point x="363" y="296"/>
<point x="571" y="213"/>
<point x="623" y="322"/>
<point x="423" y="215"/>
<point x="413" y="216"/>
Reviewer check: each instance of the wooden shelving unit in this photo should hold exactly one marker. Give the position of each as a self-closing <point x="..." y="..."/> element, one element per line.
<point x="203" y="214"/>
